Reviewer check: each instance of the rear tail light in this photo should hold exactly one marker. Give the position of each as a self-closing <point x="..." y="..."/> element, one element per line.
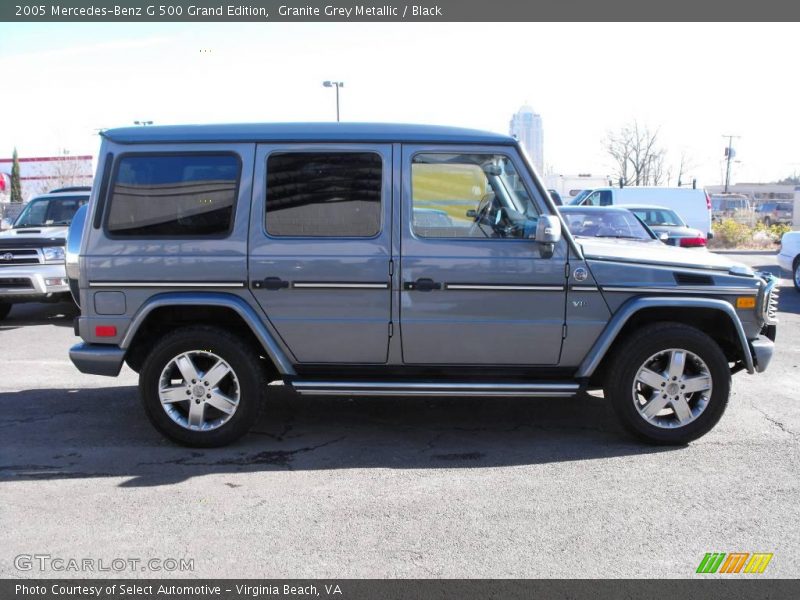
<point x="692" y="242"/>
<point x="708" y="201"/>
<point x="105" y="331"/>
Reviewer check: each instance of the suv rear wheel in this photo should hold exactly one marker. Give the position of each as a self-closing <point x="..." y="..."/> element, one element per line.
<point x="201" y="386"/>
<point x="796" y="274"/>
<point x="669" y="383"/>
<point x="5" y="308"/>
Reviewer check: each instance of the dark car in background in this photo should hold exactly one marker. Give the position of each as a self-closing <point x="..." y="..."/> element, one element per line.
<point x="606" y="222"/>
<point x="664" y="220"/>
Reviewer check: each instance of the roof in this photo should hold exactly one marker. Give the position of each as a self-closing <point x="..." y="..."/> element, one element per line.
<point x="610" y="208"/>
<point x="644" y="207"/>
<point x="303" y="132"/>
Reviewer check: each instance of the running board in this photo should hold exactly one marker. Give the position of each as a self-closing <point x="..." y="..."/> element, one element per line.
<point x="405" y="388"/>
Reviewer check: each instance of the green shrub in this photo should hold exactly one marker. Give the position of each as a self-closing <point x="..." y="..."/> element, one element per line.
<point x="730" y="234"/>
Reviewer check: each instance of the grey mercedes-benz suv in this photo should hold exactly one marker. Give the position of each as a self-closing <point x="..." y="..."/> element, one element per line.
<point x="369" y="260"/>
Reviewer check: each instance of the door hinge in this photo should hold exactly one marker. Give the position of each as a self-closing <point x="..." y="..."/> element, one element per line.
<point x="391" y="268"/>
<point x="391" y="329"/>
<point x="563" y="332"/>
<point x="566" y="270"/>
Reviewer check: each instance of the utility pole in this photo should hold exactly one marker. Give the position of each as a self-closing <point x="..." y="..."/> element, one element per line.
<point x="729" y="154"/>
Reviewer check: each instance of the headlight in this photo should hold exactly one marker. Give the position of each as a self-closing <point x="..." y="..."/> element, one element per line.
<point x="53" y="254"/>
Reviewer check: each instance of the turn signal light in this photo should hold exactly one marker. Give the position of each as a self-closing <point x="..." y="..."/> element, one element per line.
<point x="745" y="302"/>
<point x="105" y="331"/>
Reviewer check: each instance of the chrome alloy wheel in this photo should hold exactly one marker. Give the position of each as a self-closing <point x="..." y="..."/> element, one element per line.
<point x="672" y="388"/>
<point x="199" y="390"/>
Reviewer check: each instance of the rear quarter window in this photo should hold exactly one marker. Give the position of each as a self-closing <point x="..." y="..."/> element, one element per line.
<point x="175" y="195"/>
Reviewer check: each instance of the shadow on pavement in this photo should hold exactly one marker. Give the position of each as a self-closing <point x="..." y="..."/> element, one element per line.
<point x="58" y="434"/>
<point x="34" y="313"/>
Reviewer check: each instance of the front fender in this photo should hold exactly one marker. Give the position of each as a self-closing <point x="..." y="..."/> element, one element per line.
<point x="634" y="305"/>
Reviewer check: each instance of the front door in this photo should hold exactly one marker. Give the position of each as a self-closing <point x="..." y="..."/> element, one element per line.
<point x="320" y="238"/>
<point x="476" y="287"/>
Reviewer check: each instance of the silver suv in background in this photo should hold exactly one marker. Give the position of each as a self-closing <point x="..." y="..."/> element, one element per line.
<point x="774" y="213"/>
<point x="32" y="252"/>
<point x="388" y="260"/>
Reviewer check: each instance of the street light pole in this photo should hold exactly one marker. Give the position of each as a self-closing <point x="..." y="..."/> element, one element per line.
<point x="729" y="153"/>
<point x="337" y="85"/>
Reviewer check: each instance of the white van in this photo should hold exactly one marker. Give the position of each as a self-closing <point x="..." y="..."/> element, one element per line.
<point x="693" y="205"/>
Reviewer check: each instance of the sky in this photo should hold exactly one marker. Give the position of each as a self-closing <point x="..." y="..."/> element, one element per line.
<point x="692" y="83"/>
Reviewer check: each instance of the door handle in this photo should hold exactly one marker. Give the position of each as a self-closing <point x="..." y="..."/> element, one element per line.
<point x="423" y="284"/>
<point x="271" y="283"/>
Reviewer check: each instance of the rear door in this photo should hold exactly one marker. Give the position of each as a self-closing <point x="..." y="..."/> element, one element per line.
<point x="320" y="239"/>
<point x="476" y="289"/>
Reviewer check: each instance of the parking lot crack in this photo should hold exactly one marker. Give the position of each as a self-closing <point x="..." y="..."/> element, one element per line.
<point x="773" y="420"/>
<point x="267" y="457"/>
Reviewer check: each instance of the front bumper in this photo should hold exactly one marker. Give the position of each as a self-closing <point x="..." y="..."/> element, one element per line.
<point x="97" y="359"/>
<point x="761" y="348"/>
<point x="29" y="282"/>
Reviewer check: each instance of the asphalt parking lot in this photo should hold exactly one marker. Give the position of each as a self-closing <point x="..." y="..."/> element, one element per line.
<point x="392" y="487"/>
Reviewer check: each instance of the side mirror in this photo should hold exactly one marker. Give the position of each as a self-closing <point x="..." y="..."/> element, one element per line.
<point x="710" y="235"/>
<point x="472" y="213"/>
<point x="548" y="234"/>
<point x="548" y="229"/>
<point x="663" y="236"/>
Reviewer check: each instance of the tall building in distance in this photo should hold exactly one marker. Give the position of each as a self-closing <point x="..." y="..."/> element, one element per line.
<point x="526" y="126"/>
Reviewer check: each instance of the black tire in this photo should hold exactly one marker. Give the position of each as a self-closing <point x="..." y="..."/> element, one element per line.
<point x="5" y="308"/>
<point x="633" y="354"/>
<point x="796" y="274"/>
<point x="247" y="368"/>
<point x="767" y="222"/>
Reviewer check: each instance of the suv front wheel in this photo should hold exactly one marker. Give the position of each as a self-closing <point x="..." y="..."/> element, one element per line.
<point x="201" y="386"/>
<point x="668" y="383"/>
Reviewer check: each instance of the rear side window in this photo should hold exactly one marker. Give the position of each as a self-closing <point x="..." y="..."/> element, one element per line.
<point x="324" y="194"/>
<point x="176" y="195"/>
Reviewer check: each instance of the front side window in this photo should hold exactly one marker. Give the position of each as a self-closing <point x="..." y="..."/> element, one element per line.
<point x="186" y="195"/>
<point x="324" y="194"/>
<point x="469" y="196"/>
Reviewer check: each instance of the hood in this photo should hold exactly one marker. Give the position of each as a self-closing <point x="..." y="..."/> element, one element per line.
<point x="656" y="253"/>
<point x="34" y="233"/>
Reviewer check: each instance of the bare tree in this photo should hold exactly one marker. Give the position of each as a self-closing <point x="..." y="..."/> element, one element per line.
<point x="638" y="159"/>
<point x="686" y="165"/>
<point x="62" y="173"/>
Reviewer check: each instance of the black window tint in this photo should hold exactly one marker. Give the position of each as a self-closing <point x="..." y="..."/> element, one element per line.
<point x="332" y="194"/>
<point x="174" y="196"/>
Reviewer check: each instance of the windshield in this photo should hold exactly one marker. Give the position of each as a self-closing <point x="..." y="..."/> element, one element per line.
<point x="577" y="199"/>
<point x="49" y="212"/>
<point x="659" y="217"/>
<point x="605" y="224"/>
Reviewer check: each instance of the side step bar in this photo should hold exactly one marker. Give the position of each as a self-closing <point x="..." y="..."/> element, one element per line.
<point x="405" y="388"/>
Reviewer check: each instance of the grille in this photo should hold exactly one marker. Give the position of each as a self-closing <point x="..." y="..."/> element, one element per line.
<point x="769" y="305"/>
<point x="18" y="256"/>
<point x="17" y="283"/>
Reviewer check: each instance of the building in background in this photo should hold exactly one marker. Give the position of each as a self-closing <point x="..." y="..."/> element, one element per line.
<point x="41" y="174"/>
<point x="526" y="126"/>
